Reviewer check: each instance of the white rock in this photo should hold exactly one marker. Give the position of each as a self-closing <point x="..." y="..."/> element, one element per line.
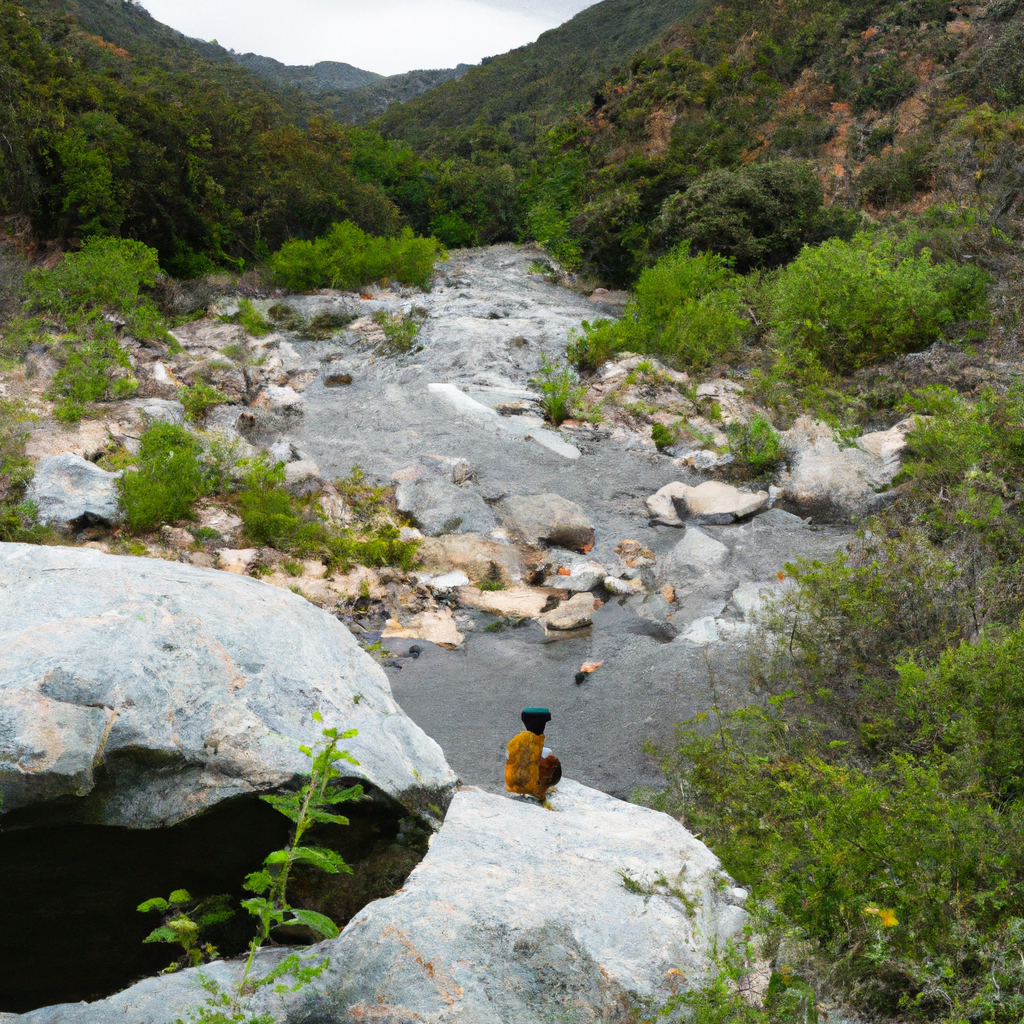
<point x="623" y="587"/>
<point x="702" y="631"/>
<point x="449" y="581"/>
<point x="297" y="472"/>
<point x="283" y="401"/>
<point x="550" y="440"/>
<point x="162" y="410"/>
<point x="576" y="613"/>
<point x="235" y="560"/>
<point x="521" y="913"/>
<point x="697" y="553"/>
<point x="67" y="488"/>
<point x="713" y="502"/>
<point x="436" y="627"/>
<point x="462" y="403"/>
<point x="189" y="686"/>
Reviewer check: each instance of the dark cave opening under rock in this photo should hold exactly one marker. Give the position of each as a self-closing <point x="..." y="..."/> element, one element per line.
<point x="70" y="891"/>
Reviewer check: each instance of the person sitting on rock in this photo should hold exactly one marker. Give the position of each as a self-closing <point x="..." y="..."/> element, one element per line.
<point x="531" y="769"/>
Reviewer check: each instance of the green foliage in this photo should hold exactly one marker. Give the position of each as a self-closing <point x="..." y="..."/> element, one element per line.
<point x="876" y="801"/>
<point x="850" y="304"/>
<point x="757" y="215"/>
<point x="17" y="517"/>
<point x="756" y="445"/>
<point x="184" y="920"/>
<point x="347" y="257"/>
<point x="168" y="481"/>
<point x="252" y="321"/>
<point x="399" y="331"/>
<point x="561" y="392"/>
<point x="663" y="437"/>
<point x="108" y="275"/>
<point x="685" y="309"/>
<point x="897" y="177"/>
<point x="889" y="81"/>
<point x="273" y="517"/>
<point x="198" y="399"/>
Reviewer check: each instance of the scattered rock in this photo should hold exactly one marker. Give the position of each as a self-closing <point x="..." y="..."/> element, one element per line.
<point x="456" y="471"/>
<point x="705" y="460"/>
<point x="473" y="554"/>
<point x="439" y="507"/>
<point x="296" y="473"/>
<point x="238" y="561"/>
<point x="449" y="581"/>
<point x="162" y="410"/>
<point x="695" y="555"/>
<point x="576" y="613"/>
<point x="547" y="519"/>
<point x="87" y="438"/>
<point x="713" y="503"/>
<point x="579" y="576"/>
<point x="438" y="627"/>
<point x="282" y="401"/>
<point x="513" y="603"/>
<point x="623" y="587"/>
<point x="67" y="488"/>
<point x="840" y="483"/>
<point x="190" y="687"/>
<point x="177" y="538"/>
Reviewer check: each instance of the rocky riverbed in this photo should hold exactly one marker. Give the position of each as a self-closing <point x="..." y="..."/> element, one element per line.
<point x="140" y="693"/>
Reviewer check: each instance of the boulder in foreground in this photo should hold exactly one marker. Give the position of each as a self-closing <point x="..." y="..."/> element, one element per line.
<point x="712" y="503"/>
<point x="149" y="691"/>
<point x="547" y="520"/>
<point x="518" y="913"/>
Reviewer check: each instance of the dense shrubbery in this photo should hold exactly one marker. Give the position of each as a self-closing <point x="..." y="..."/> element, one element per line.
<point x="80" y="300"/>
<point x="685" y="310"/>
<point x="168" y="481"/>
<point x="347" y="257"/>
<point x="274" y="517"/>
<point x="756" y="446"/>
<point x="854" y="303"/>
<point x="876" y="803"/>
<point x="17" y="517"/>
<point x="758" y="215"/>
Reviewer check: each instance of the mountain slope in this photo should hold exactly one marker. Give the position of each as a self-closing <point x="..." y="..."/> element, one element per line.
<point x="538" y="83"/>
<point x="323" y="77"/>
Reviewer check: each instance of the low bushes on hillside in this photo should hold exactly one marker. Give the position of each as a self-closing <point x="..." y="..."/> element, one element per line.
<point x="854" y="303"/>
<point x="168" y="479"/>
<point x="347" y="257"/>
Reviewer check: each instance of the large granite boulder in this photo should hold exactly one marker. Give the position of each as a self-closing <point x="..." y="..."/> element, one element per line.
<point x="712" y="503"/>
<point x="571" y="911"/>
<point x="68" y="489"/>
<point x="438" y="506"/>
<point x="148" y="691"/>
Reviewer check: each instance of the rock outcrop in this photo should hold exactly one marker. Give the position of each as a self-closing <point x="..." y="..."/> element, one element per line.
<point x="150" y="691"/>
<point x="712" y="503"/>
<point x="68" y="489"/>
<point x="574" y="910"/>
<point x="547" y="519"/>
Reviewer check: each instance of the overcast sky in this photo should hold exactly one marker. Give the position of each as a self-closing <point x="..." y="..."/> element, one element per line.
<point x="386" y="36"/>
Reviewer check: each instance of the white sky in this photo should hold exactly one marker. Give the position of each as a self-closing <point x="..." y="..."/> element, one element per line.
<point x="386" y="36"/>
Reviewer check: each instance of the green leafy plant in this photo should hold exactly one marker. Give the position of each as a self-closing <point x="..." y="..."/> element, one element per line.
<point x="348" y="257"/>
<point x="167" y="480"/>
<point x="252" y="321"/>
<point x="561" y="391"/>
<point x="850" y="304"/>
<point x="756" y="445"/>
<point x="399" y="331"/>
<point x="184" y="920"/>
<point x="311" y="805"/>
<point x="663" y="437"/>
<point x="17" y="516"/>
<point x="199" y="398"/>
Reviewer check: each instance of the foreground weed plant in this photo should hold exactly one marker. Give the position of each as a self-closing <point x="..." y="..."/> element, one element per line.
<point x="561" y="392"/>
<point x="311" y="805"/>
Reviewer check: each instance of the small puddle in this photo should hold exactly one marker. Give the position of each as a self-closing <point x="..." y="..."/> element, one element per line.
<point x="69" y="892"/>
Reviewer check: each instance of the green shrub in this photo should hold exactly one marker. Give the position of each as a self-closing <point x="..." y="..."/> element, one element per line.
<point x="347" y="257"/>
<point x="399" y="331"/>
<point x="758" y="215"/>
<point x="888" y="82"/>
<point x="168" y="480"/>
<point x="663" y="437"/>
<point x="275" y="518"/>
<point x="17" y="517"/>
<point x="199" y="398"/>
<point x="95" y="368"/>
<point x="252" y="321"/>
<point x="108" y="275"/>
<point x="561" y="391"/>
<point x="685" y="309"/>
<point x="850" y="304"/>
<point x="896" y="177"/>
<point x="756" y="445"/>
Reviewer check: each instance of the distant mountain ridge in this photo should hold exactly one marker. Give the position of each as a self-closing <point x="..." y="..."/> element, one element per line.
<point x="348" y="93"/>
<point x="323" y="77"/>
